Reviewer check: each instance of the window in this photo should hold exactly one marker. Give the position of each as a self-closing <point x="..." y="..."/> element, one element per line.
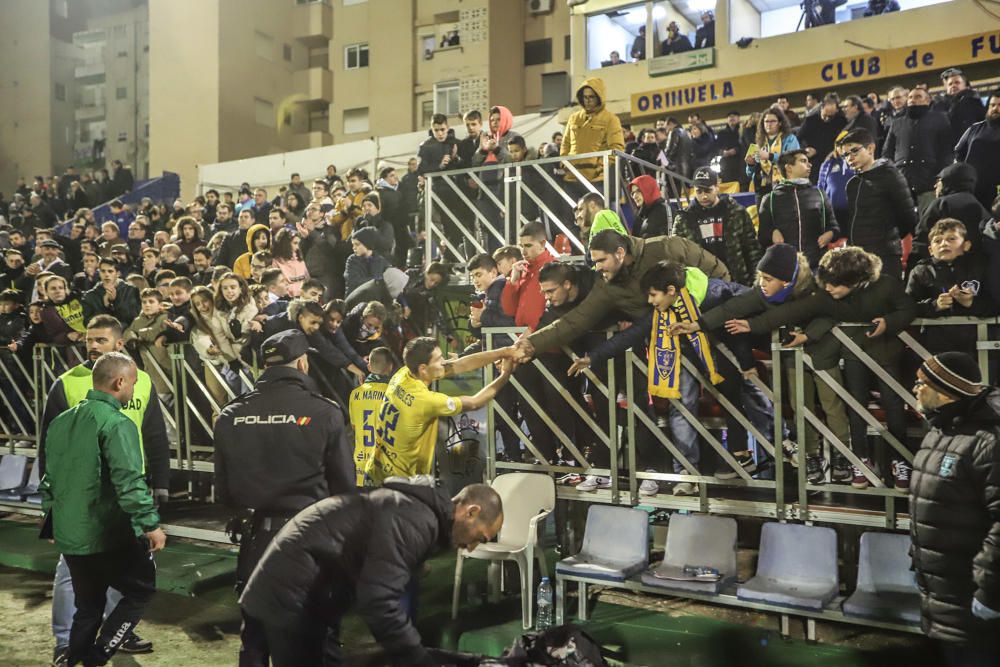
<point x="286" y="52"/>
<point x="446" y="98"/>
<point x="426" y="111"/>
<point x="567" y="48"/>
<point x="356" y="56"/>
<point x="61" y="8"/>
<point x="60" y="92"/>
<point x="122" y="136"/>
<point x="263" y="45"/>
<point x="263" y="112"/>
<point x="146" y="130"/>
<point x="355" y="120"/>
<point x="123" y="54"/>
<point x="348" y="3"/>
<point x="121" y="93"/>
<point x="614" y="31"/>
<point x="538" y="52"/>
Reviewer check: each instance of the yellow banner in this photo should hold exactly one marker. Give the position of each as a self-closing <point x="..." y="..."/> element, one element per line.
<point x="977" y="48"/>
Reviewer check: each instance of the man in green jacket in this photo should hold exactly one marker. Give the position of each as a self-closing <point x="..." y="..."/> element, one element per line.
<point x="621" y="261"/>
<point x="101" y="511"/>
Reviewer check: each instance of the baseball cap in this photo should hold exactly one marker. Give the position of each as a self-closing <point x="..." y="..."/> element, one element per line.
<point x="50" y="243"/>
<point x="705" y="178"/>
<point x="284" y="347"/>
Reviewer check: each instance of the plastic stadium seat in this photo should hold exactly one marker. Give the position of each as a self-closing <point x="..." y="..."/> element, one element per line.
<point x="13" y="468"/>
<point x="562" y="244"/>
<point x="696" y="540"/>
<point x="797" y="567"/>
<point x="887" y="589"/>
<point x="615" y="545"/>
<point x="527" y="499"/>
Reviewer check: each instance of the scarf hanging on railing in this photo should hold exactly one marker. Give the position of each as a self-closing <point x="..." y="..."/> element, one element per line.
<point x="665" y="350"/>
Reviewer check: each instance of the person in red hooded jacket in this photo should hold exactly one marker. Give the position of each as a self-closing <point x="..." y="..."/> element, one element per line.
<point x="654" y="216"/>
<point x="522" y="296"/>
<point x="493" y="151"/>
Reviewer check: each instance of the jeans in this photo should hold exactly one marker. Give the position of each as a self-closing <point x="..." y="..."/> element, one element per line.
<point x="685" y="436"/>
<point x="131" y="571"/>
<point x="64" y="604"/>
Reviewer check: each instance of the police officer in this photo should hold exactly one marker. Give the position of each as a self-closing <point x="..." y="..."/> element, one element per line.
<point x="278" y="449"/>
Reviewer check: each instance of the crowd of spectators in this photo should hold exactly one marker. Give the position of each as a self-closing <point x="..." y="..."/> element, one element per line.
<point x="340" y="259"/>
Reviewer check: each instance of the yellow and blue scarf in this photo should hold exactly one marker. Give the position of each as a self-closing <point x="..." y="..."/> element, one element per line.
<point x="665" y="350"/>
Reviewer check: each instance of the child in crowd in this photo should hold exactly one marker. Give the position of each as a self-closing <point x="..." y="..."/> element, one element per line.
<point x="277" y="291"/>
<point x="336" y="311"/>
<point x="312" y="290"/>
<point x="142" y="333"/>
<point x="951" y="283"/>
<point x="855" y="290"/>
<point x="364" y="405"/>
<point x="260" y="262"/>
<point x="216" y="345"/>
<point x="258" y="238"/>
<point x="177" y="327"/>
<point x="365" y="264"/>
<point x="233" y="302"/>
<point x="485" y="310"/>
<point x="784" y="276"/>
<point x="286" y="257"/>
<point x="505" y="258"/>
<point x="12" y="318"/>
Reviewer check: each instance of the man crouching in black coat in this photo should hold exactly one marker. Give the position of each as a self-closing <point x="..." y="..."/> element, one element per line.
<point x="955" y="510"/>
<point x="360" y="551"/>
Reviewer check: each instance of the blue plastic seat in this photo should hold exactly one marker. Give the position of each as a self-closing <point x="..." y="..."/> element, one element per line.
<point x="696" y="539"/>
<point x="797" y="567"/>
<point x="615" y="545"/>
<point x="13" y="468"/>
<point x="887" y="589"/>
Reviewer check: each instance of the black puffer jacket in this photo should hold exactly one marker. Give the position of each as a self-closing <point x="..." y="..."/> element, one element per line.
<point x="880" y="210"/>
<point x="980" y="147"/>
<point x="920" y="145"/>
<point x="363" y="548"/>
<point x="802" y="213"/>
<point x="955" y="516"/>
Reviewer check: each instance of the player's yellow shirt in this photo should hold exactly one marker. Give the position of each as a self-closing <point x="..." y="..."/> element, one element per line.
<point x="406" y="428"/>
<point x="364" y="406"/>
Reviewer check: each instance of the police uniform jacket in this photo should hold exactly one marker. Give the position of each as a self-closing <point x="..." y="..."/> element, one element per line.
<point x="282" y="446"/>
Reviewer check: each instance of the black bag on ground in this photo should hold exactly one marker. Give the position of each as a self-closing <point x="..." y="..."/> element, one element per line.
<point x="563" y="646"/>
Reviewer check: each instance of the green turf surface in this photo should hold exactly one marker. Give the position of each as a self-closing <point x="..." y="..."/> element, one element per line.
<point x="183" y="568"/>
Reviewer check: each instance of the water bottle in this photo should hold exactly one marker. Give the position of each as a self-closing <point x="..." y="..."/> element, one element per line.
<point x="543" y="618"/>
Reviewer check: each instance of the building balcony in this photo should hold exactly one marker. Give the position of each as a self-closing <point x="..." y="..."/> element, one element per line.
<point x="90" y="72"/>
<point x="314" y="139"/>
<point x="314" y="84"/>
<point x="92" y="112"/>
<point x="312" y="24"/>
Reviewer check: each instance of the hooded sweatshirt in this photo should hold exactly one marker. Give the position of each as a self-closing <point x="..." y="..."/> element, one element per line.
<point x="607" y="219"/>
<point x="654" y="218"/>
<point x="522" y="299"/>
<point x="586" y="133"/>
<point x="957" y="200"/>
<point x="241" y="266"/>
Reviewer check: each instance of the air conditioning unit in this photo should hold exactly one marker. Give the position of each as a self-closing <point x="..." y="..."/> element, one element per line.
<point x="539" y="6"/>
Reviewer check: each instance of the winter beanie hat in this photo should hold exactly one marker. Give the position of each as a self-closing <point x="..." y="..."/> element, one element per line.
<point x="953" y="373"/>
<point x="780" y="261"/>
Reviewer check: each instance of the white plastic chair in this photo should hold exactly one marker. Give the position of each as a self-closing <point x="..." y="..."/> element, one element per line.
<point x="527" y="499"/>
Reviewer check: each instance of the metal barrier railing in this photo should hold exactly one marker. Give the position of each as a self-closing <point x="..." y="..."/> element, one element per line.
<point x="461" y="224"/>
<point x="743" y="494"/>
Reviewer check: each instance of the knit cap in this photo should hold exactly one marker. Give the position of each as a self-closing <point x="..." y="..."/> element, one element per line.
<point x="952" y="373"/>
<point x="780" y="261"/>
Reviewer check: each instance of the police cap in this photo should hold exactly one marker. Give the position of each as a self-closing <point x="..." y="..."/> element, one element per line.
<point x="284" y="347"/>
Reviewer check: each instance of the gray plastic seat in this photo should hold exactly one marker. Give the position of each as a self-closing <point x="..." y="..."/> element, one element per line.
<point x="30" y="490"/>
<point x="797" y="567"/>
<point x="615" y="545"/>
<point x="696" y="540"/>
<point x="13" y="468"/>
<point x="887" y="589"/>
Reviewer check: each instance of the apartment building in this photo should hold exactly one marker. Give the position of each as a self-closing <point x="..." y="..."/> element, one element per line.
<point x="256" y="77"/>
<point x="37" y="63"/>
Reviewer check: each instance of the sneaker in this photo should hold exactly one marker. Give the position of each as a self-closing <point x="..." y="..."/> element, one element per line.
<point x="815" y="469"/>
<point x="901" y="474"/>
<point x="859" y="481"/>
<point x="60" y="657"/>
<point x="841" y="471"/>
<point x="570" y="479"/>
<point x="791" y="450"/>
<point x="685" y="489"/>
<point x="135" y="644"/>
<point x="593" y="483"/>
<point x="649" y="487"/>
<point x="745" y="459"/>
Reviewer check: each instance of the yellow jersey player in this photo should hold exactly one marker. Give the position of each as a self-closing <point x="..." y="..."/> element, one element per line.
<point x="364" y="405"/>
<point x="406" y="427"/>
